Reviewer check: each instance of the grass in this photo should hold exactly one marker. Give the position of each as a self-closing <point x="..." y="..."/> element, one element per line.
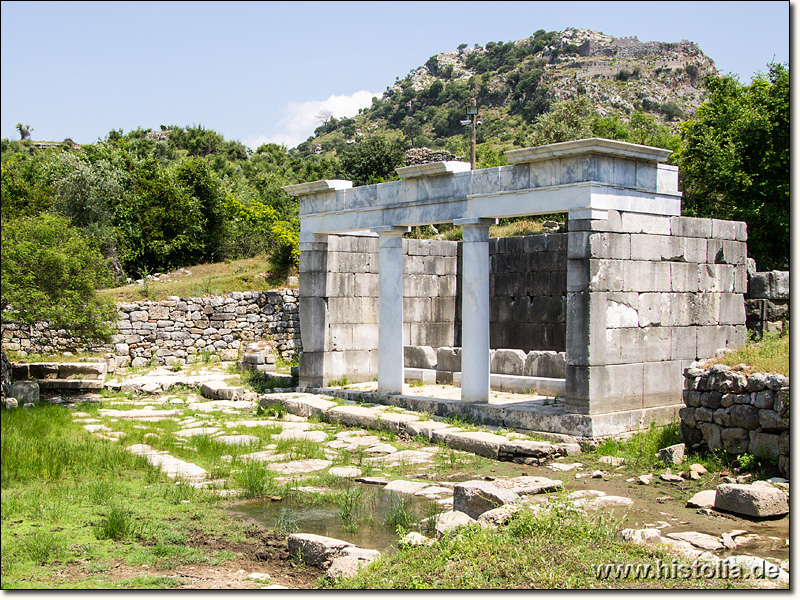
<point x="71" y="498"/>
<point x="767" y="355"/>
<point x="251" y="274"/>
<point x="551" y="549"/>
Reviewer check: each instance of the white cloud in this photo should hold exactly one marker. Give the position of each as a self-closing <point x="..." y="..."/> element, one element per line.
<point x="299" y="119"/>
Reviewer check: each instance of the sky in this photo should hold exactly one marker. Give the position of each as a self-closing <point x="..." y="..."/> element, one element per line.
<point x="262" y="72"/>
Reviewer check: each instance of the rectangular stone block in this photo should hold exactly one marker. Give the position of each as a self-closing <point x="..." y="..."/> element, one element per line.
<point x="683" y="344"/>
<point x="646" y="247"/>
<point x="448" y="359"/>
<point x="691" y="227"/>
<point x="640" y="223"/>
<point x="663" y="383"/>
<point x="419" y="357"/>
<point x="586" y="328"/>
<point x="586" y="244"/>
<point x="685" y="276"/>
<point x="731" y="309"/>
<point x="611" y="388"/>
<point x="646" y="276"/>
<point x="726" y="252"/>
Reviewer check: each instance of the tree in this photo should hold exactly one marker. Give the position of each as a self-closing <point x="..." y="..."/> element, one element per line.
<point x="24" y="131"/>
<point x="735" y="162"/>
<point x="372" y="161"/>
<point x="50" y="272"/>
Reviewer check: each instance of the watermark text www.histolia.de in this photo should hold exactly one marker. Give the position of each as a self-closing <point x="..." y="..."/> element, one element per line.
<point x="679" y="570"/>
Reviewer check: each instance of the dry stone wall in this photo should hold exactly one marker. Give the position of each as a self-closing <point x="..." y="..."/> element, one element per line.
<point x="738" y="413"/>
<point x="181" y="329"/>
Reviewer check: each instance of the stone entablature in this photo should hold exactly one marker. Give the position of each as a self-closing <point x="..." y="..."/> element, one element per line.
<point x="738" y="413"/>
<point x="647" y="291"/>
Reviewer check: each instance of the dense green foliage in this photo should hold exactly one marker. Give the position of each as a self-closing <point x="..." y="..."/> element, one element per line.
<point x="50" y="272"/>
<point x="735" y="164"/>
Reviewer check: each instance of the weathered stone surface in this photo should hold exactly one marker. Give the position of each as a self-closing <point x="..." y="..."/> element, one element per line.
<point x="300" y="466"/>
<point x="345" y="472"/>
<point x="25" y="392"/>
<point x="496" y="517"/>
<point x="526" y="484"/>
<point x="405" y="487"/>
<point x="751" y="500"/>
<point x="219" y="390"/>
<point x="350" y="561"/>
<point x="448" y="521"/>
<point x="315" y="550"/>
<point x="754" y="564"/>
<point x="735" y="440"/>
<point x="474" y="498"/>
<point x="673" y="454"/>
<point x="296" y="434"/>
<point x="640" y="536"/>
<point x="744" y="415"/>
<point x="698" y="540"/>
<point x="703" y="499"/>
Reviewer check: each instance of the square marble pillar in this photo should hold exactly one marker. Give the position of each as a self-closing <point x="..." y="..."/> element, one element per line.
<point x="390" y="309"/>
<point x="475" y="310"/>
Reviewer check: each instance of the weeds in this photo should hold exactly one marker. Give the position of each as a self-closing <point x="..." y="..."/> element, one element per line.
<point x="399" y="515"/>
<point x="118" y="525"/>
<point x="44" y="546"/>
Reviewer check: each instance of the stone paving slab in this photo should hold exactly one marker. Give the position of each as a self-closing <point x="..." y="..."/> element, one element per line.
<point x="142" y="414"/>
<point x="171" y="466"/>
<point x="300" y="466"/>
<point x="238" y="440"/>
<point x="187" y="433"/>
<point x="293" y="434"/>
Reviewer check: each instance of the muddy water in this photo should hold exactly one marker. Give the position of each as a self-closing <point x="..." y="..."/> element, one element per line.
<point x="661" y="505"/>
<point x="369" y="528"/>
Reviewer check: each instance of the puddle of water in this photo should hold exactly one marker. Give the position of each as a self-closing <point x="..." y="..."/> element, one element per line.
<point x="369" y="530"/>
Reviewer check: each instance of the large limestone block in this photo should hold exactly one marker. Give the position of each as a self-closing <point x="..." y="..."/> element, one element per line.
<point x="25" y="392"/>
<point x="751" y="500"/>
<point x="315" y="550"/>
<point x="477" y="497"/>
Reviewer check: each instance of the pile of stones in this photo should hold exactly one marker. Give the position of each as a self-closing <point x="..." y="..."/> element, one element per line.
<point x="422" y="156"/>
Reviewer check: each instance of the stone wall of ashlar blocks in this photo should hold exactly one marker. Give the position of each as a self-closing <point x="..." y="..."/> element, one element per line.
<point x="647" y="296"/>
<point x="339" y="295"/>
<point x="528" y="290"/>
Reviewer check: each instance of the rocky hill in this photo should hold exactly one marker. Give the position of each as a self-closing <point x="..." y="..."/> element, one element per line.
<point x="516" y="82"/>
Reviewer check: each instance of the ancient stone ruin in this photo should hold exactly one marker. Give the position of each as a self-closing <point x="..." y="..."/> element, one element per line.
<point x="632" y="294"/>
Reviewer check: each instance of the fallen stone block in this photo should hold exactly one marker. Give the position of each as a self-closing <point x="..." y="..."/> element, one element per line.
<point x="451" y="520"/>
<point x="703" y="499"/>
<point x="474" y="498"/>
<point x="751" y="500"/>
<point x="25" y="392"/>
<point x="698" y="540"/>
<point x="672" y="455"/>
<point x="315" y="550"/>
<point x="528" y="485"/>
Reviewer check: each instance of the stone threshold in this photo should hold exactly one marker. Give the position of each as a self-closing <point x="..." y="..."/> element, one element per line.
<point x="537" y="415"/>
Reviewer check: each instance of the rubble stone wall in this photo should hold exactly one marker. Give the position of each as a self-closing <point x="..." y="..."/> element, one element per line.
<point x="181" y="329"/>
<point x="738" y="413"/>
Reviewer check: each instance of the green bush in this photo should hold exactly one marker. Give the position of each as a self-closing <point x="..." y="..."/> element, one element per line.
<point x="50" y="272"/>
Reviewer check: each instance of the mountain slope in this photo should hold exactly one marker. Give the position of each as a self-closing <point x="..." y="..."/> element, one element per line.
<point x="516" y="82"/>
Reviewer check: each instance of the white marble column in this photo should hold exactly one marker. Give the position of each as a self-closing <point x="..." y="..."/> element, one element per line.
<point x="475" y="310"/>
<point x="390" y="309"/>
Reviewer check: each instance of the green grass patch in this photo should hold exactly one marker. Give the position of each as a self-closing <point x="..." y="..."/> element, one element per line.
<point x="553" y="549"/>
<point x="770" y="354"/>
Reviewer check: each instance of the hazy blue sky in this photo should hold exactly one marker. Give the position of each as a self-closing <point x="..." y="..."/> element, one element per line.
<point x="261" y="71"/>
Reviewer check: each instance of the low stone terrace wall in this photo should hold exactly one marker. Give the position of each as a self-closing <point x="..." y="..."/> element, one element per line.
<point x="181" y="329"/>
<point x="741" y="414"/>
